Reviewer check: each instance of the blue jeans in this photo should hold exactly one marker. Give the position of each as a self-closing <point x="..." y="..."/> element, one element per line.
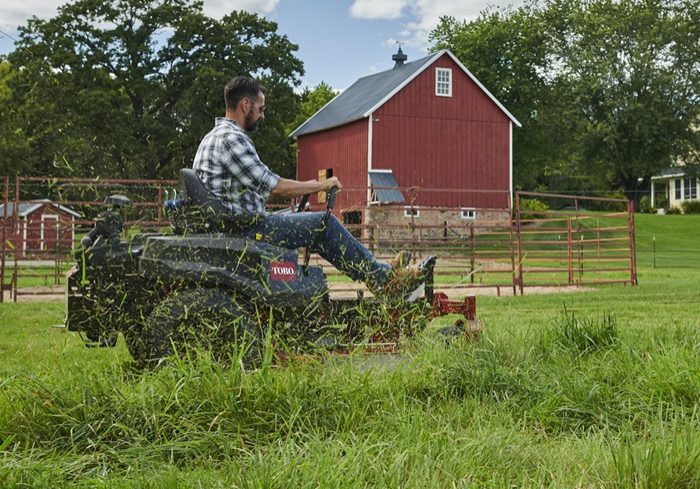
<point x="332" y="241"/>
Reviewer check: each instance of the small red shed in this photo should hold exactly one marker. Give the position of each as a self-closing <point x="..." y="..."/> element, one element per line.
<point x="428" y="123"/>
<point x="43" y="227"/>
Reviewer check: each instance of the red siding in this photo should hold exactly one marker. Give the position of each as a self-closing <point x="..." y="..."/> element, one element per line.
<point x="344" y="149"/>
<point x="458" y="142"/>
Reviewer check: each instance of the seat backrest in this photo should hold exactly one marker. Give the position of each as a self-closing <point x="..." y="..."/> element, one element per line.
<point x="198" y="194"/>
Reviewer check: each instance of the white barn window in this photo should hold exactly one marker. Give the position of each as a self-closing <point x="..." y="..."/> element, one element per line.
<point x="411" y="212"/>
<point x="468" y="214"/>
<point x="443" y="82"/>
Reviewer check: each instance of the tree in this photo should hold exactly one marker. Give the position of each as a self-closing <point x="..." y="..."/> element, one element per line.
<point x="128" y="87"/>
<point x="635" y="89"/>
<point x="312" y="100"/>
<point x="607" y="90"/>
<point x="13" y="142"/>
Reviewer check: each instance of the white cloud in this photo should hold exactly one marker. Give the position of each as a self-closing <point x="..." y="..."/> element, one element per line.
<point x="378" y="9"/>
<point x="425" y="14"/>
<point x="16" y="12"/>
<point x="428" y="13"/>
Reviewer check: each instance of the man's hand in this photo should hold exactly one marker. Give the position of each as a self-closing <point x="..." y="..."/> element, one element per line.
<point x="332" y="182"/>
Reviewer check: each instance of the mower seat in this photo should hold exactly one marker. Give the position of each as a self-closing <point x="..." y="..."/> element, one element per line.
<point x="206" y="213"/>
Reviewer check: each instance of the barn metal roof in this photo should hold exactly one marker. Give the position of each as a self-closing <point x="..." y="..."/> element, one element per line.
<point x="384" y="195"/>
<point x="26" y="208"/>
<point x="370" y="92"/>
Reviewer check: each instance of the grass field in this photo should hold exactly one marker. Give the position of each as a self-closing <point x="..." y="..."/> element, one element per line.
<point x="593" y="389"/>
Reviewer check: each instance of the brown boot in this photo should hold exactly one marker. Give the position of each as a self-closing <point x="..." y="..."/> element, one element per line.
<point x="407" y="283"/>
<point x="401" y="260"/>
<point x="402" y="281"/>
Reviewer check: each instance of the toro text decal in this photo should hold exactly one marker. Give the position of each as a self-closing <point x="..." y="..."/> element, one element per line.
<point x="284" y="271"/>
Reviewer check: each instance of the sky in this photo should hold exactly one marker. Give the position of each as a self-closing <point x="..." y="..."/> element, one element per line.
<point x="339" y="40"/>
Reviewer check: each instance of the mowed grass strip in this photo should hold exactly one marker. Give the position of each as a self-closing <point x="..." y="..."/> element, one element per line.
<point x="596" y="389"/>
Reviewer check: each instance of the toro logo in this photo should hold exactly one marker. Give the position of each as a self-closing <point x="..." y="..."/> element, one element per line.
<point x="284" y="271"/>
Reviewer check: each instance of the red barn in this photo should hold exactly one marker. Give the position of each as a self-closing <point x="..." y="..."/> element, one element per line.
<point x="44" y="227"/>
<point x="428" y="123"/>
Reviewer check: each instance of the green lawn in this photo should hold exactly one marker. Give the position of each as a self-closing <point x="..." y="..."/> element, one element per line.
<point x="590" y="389"/>
<point x="676" y="240"/>
<point x="526" y="406"/>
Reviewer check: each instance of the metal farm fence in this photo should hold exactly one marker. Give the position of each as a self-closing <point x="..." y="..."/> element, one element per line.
<point x="568" y="241"/>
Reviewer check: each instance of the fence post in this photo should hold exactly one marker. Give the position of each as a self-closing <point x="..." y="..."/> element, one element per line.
<point x="518" y="224"/>
<point x="160" y="205"/>
<point x="569" y="251"/>
<point x="3" y="247"/>
<point x="472" y="251"/>
<point x="15" y="211"/>
<point x="413" y="227"/>
<point x="633" y="251"/>
<point x="597" y="242"/>
<point x="511" y="219"/>
<point x="580" y="258"/>
<point x="19" y="243"/>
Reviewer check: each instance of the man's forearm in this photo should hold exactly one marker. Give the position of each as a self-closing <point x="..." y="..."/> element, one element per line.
<point x="293" y="188"/>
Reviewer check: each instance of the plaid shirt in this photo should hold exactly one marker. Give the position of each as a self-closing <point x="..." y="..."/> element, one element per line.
<point x="229" y="166"/>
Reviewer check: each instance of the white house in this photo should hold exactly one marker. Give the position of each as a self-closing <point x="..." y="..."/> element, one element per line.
<point x="675" y="186"/>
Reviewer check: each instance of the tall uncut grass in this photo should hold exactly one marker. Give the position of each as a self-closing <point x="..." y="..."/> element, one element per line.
<point x="596" y="389"/>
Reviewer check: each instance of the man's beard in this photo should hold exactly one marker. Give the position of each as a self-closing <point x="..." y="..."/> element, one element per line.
<point x="250" y="125"/>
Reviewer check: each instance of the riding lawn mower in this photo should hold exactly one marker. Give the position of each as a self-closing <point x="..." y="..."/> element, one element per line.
<point x="204" y="285"/>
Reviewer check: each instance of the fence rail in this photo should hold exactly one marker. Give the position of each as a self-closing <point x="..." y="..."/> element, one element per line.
<point x="484" y="247"/>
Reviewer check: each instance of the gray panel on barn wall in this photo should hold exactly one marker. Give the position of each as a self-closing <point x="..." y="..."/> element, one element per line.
<point x="385" y="195"/>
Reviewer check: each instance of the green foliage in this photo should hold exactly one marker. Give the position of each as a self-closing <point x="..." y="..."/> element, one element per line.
<point x="674" y="209"/>
<point x="691" y="207"/>
<point x="127" y="88"/>
<point x="532" y="208"/>
<point x="645" y="204"/>
<point x="606" y="91"/>
<point x="14" y="144"/>
<point x="661" y="202"/>
<point x="312" y="100"/>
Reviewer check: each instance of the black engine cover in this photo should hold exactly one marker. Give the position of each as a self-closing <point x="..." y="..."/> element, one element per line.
<point x="261" y="272"/>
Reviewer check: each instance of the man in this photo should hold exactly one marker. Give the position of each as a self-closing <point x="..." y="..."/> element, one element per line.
<point x="228" y="164"/>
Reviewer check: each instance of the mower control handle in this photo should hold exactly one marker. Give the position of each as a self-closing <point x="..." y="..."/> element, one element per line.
<point x="89" y="239"/>
<point x="302" y="203"/>
<point x="331" y="198"/>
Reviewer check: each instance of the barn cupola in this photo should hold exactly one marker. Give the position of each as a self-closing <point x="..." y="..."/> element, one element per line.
<point x="399" y="58"/>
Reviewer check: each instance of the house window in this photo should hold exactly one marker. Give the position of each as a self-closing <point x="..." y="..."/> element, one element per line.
<point x="411" y="212"/>
<point x="691" y="188"/>
<point x="468" y="214"/>
<point x="679" y="186"/>
<point x="443" y="82"/>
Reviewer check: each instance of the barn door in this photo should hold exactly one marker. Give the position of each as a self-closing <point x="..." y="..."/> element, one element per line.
<point x="49" y="232"/>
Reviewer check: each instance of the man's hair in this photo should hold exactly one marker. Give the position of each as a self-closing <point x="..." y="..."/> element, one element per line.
<point x="239" y="88"/>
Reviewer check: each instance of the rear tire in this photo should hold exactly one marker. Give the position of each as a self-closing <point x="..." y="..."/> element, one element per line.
<point x="202" y="318"/>
<point x="138" y="344"/>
